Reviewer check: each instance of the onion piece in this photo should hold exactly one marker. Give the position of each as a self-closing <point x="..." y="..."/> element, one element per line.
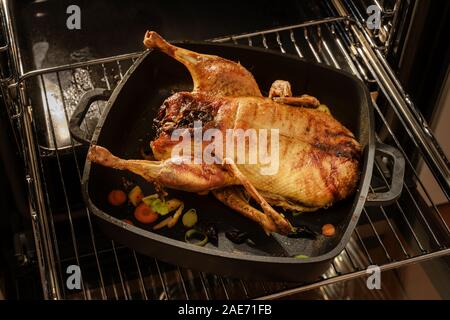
<point x="176" y="216"/>
<point x="190" y="218"/>
<point x="190" y="234"/>
<point x="162" y="224"/>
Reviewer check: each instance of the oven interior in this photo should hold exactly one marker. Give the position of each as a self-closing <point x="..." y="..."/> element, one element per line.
<point x="46" y="69"/>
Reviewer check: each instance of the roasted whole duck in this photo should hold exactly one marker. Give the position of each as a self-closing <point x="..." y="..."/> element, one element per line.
<point x="319" y="159"/>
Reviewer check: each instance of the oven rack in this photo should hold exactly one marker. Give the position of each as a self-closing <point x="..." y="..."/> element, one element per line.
<point x="411" y="230"/>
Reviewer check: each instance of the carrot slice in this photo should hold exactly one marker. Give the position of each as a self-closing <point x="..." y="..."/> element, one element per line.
<point x="117" y="197"/>
<point x="143" y="213"/>
<point x="328" y="230"/>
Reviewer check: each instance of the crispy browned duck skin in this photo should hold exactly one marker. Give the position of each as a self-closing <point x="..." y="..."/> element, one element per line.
<point x="319" y="157"/>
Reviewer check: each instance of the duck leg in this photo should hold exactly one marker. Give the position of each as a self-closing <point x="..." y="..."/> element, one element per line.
<point x="233" y="198"/>
<point x="211" y="74"/>
<point x="170" y="173"/>
<point x="283" y="225"/>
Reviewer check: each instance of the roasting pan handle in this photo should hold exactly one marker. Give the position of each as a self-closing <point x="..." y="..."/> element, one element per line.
<point x="398" y="172"/>
<point x="80" y="113"/>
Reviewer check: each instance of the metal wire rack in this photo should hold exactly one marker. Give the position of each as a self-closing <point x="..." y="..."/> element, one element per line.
<point x="409" y="231"/>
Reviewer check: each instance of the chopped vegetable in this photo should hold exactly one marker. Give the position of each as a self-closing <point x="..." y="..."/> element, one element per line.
<point x="160" y="207"/>
<point x="149" y="199"/>
<point x="135" y="196"/>
<point x="170" y="221"/>
<point x="163" y="223"/>
<point x="301" y="256"/>
<point x="173" y="204"/>
<point x="176" y="216"/>
<point x="211" y="232"/>
<point x="190" y="218"/>
<point x="128" y="221"/>
<point x="237" y="236"/>
<point x="143" y="213"/>
<point x="196" y="237"/>
<point x="303" y="232"/>
<point x="328" y="230"/>
<point x="296" y="213"/>
<point x="117" y="197"/>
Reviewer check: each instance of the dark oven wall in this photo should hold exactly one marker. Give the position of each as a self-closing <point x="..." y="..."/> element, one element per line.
<point x="424" y="60"/>
<point x="17" y="252"/>
<point x="116" y="27"/>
